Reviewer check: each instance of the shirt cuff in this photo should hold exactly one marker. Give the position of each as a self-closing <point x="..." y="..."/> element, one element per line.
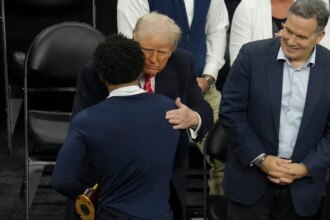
<point x="194" y="132"/>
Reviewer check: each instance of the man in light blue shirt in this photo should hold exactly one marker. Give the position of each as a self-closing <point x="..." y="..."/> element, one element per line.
<point x="276" y="109"/>
<point x="295" y="82"/>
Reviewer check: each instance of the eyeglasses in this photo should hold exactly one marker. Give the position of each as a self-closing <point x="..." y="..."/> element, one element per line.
<point x="152" y="52"/>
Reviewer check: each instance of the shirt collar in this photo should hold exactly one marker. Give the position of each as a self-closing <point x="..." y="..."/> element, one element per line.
<point x="310" y="62"/>
<point x="126" y="91"/>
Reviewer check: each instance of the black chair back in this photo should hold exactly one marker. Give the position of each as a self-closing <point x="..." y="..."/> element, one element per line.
<point x="217" y="142"/>
<point x="51" y="66"/>
<point x="57" y="53"/>
<point x="216" y="145"/>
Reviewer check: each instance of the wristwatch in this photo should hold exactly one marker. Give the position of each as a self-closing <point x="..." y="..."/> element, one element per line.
<point x="210" y="80"/>
<point x="260" y="160"/>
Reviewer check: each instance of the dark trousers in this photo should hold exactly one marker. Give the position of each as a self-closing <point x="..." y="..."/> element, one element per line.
<point x="325" y="212"/>
<point x="275" y="204"/>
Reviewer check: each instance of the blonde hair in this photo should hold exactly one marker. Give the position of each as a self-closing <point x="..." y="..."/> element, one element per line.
<point x="155" y="22"/>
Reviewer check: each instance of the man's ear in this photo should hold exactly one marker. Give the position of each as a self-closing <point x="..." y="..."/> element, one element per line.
<point x="321" y="35"/>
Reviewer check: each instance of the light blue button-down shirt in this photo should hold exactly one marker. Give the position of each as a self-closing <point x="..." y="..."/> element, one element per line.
<point x="294" y="90"/>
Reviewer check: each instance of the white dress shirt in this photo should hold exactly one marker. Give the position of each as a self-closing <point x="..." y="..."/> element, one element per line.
<point x="217" y="23"/>
<point x="126" y="91"/>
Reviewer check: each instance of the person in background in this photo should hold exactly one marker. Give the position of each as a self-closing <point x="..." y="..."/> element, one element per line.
<point x="204" y="27"/>
<point x="261" y="19"/>
<point x="275" y="109"/>
<point x="169" y="71"/>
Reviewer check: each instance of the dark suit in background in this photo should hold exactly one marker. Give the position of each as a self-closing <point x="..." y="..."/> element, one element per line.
<point x="178" y="79"/>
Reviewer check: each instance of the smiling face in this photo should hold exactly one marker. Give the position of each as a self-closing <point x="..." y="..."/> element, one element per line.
<point x="299" y="38"/>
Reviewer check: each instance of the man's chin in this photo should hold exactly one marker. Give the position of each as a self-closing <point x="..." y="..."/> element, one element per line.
<point x="151" y="72"/>
<point x="291" y="53"/>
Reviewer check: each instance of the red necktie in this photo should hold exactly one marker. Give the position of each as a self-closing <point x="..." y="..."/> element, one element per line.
<point x="147" y="86"/>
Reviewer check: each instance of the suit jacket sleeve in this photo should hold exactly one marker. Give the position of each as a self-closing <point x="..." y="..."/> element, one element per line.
<point x="318" y="160"/>
<point x="65" y="176"/>
<point x="234" y="111"/>
<point x="196" y="102"/>
<point x="89" y="89"/>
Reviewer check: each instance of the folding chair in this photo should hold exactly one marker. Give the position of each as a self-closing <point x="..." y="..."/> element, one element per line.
<point x="216" y="144"/>
<point x="15" y="40"/>
<point x="52" y="63"/>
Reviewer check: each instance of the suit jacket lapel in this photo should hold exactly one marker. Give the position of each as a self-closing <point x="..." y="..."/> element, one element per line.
<point x="165" y="82"/>
<point x="314" y="89"/>
<point x="275" y="78"/>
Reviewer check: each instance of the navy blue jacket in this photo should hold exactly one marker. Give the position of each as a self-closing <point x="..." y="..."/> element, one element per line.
<point x="131" y="147"/>
<point x="250" y="110"/>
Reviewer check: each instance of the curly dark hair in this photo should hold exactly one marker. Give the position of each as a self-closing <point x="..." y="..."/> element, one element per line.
<point x="118" y="59"/>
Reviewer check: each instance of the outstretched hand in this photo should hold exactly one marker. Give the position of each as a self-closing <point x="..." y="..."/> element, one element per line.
<point x="183" y="117"/>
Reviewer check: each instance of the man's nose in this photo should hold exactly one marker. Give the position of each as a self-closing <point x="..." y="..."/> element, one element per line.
<point x="153" y="56"/>
<point x="292" y="40"/>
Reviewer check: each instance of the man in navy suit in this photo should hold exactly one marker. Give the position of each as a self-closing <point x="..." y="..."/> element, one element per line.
<point x="276" y="111"/>
<point x="172" y="74"/>
<point x="126" y="139"/>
